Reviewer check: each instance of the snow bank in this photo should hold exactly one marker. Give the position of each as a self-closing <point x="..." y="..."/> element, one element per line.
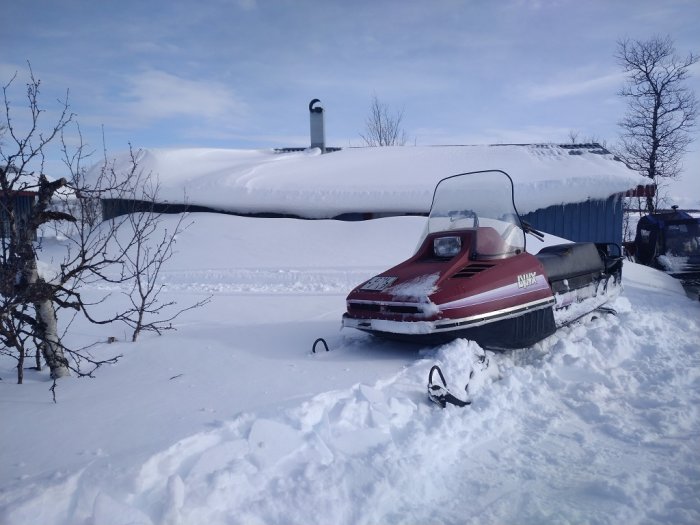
<point x="379" y="180"/>
<point x="593" y="425"/>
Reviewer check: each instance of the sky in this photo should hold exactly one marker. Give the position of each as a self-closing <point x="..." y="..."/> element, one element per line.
<point x="241" y="73"/>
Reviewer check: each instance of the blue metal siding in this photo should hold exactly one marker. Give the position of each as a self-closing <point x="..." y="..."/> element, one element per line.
<point x="592" y="220"/>
<point x="22" y="206"/>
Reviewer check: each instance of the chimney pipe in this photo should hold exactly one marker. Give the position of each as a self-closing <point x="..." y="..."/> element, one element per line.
<point x="318" y="133"/>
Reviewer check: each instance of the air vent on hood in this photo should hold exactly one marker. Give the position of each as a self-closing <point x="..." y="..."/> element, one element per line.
<point x="472" y="269"/>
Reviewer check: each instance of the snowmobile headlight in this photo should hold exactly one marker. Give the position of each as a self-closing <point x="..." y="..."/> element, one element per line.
<point x="447" y="246"/>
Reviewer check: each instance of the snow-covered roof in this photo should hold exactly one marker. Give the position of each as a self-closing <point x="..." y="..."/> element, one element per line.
<point x="379" y="180"/>
<point x="22" y="183"/>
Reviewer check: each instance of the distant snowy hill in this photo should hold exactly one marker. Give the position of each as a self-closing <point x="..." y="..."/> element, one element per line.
<point x="377" y="180"/>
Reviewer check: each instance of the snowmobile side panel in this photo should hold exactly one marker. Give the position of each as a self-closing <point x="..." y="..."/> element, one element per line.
<point x="518" y="330"/>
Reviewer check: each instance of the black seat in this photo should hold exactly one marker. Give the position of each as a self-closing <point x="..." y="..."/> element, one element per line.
<point x="566" y="261"/>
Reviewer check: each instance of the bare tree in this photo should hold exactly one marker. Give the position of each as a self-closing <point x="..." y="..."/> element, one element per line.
<point x="147" y="245"/>
<point x="21" y="284"/>
<point x="661" y="110"/>
<point x="95" y="251"/>
<point x="383" y="128"/>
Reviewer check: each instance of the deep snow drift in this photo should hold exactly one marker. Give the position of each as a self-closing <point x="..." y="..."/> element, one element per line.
<point x="232" y="419"/>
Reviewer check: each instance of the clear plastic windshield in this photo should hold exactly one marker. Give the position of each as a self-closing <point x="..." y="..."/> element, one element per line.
<point x="482" y="201"/>
<point x="683" y="240"/>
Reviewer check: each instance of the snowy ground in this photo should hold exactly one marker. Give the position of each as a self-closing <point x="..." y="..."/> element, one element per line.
<point x="232" y="419"/>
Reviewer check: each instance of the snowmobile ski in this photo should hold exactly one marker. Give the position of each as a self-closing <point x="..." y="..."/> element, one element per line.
<point x="440" y="394"/>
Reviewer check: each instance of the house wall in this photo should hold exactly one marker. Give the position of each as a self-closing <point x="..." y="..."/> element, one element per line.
<point x="112" y="208"/>
<point x="22" y="202"/>
<point x="592" y="220"/>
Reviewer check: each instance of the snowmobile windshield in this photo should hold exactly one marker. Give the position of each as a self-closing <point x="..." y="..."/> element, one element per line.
<point x="481" y="201"/>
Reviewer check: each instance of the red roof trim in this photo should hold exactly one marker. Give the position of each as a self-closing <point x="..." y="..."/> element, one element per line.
<point x="642" y="191"/>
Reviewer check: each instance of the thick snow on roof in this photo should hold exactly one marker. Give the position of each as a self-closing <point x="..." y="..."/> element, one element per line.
<point x="380" y="180"/>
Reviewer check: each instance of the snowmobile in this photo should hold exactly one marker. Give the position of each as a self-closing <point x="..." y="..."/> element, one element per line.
<point x="471" y="276"/>
<point x="670" y="242"/>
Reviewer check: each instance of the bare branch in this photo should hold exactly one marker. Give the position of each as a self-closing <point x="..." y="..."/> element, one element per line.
<point x="383" y="128"/>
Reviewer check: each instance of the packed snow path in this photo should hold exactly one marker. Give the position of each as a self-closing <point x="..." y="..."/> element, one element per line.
<point x="233" y="420"/>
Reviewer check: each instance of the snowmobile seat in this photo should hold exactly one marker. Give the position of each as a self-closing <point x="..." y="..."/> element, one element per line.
<point x="566" y="261"/>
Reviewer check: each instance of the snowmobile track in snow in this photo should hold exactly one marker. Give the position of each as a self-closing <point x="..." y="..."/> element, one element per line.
<point x="264" y="280"/>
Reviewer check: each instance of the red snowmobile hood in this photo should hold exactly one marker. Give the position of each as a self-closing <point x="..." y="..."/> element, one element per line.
<point x="458" y="282"/>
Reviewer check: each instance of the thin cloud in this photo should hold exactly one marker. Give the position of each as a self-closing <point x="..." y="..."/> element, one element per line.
<point x="17" y="73"/>
<point x="157" y="95"/>
<point x="247" y="5"/>
<point x="577" y="85"/>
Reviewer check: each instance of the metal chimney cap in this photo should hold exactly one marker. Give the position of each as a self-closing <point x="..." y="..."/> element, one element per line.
<point x="312" y="109"/>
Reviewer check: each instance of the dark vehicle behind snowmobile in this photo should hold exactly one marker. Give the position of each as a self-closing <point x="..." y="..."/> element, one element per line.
<point x="670" y="242"/>
<point x="471" y="276"/>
